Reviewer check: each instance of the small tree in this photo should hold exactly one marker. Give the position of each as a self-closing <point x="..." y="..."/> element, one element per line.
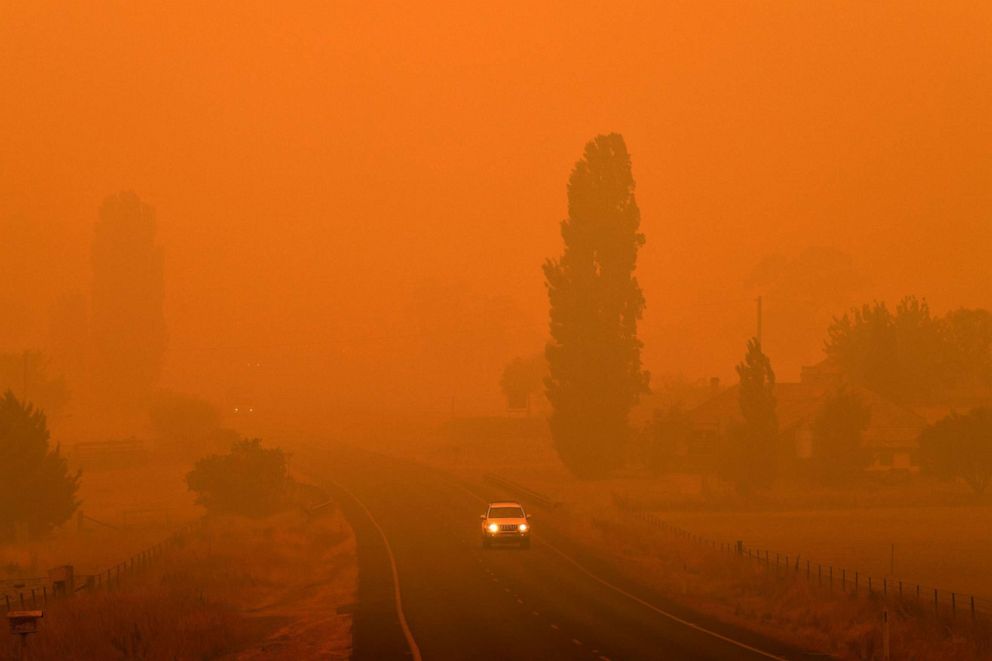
<point x="38" y="492"/>
<point x="249" y="480"/>
<point x="837" y="431"/>
<point x="960" y="446"/>
<point x="753" y="444"/>
<point x="521" y="378"/>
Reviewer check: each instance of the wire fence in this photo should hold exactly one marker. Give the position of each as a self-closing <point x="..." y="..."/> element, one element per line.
<point x="35" y="592"/>
<point x="831" y="577"/>
<point x="943" y="603"/>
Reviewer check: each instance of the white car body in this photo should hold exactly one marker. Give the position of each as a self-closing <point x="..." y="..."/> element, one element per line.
<point x="502" y="524"/>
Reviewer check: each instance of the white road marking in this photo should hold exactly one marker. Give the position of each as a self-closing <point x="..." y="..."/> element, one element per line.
<point x="410" y="641"/>
<point x="555" y="627"/>
<point x="665" y="613"/>
<point x="576" y="641"/>
<point x="648" y="605"/>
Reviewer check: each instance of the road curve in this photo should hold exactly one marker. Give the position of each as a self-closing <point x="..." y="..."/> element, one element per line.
<point x="462" y="602"/>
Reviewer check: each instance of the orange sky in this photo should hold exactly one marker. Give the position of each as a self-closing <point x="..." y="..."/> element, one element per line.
<point x="338" y="183"/>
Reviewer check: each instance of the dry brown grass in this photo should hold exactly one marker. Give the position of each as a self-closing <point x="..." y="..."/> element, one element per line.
<point x="235" y="588"/>
<point x="783" y="605"/>
<point x="144" y="503"/>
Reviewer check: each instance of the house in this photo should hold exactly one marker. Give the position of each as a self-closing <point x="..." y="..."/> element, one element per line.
<point x="891" y="437"/>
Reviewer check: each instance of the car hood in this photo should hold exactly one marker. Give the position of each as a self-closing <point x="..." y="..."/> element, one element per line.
<point x="516" y="521"/>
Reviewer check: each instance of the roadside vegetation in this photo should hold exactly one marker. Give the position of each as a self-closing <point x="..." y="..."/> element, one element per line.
<point x="235" y="588"/>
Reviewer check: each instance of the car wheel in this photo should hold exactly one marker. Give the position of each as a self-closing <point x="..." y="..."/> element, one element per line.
<point x="486" y="543"/>
<point x="525" y="543"/>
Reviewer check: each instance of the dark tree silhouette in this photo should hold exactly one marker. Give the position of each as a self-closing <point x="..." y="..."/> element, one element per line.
<point x="754" y="443"/>
<point x="960" y="446"/>
<point x="249" y="480"/>
<point x="38" y="491"/>
<point x="898" y="355"/>
<point x="967" y="356"/>
<point x="594" y="356"/>
<point x="837" y="434"/>
<point x="521" y="378"/>
<point x="128" y="322"/>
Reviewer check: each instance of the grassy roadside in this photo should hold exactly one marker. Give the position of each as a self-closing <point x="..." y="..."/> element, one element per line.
<point x="125" y="510"/>
<point x="236" y="589"/>
<point x="776" y="605"/>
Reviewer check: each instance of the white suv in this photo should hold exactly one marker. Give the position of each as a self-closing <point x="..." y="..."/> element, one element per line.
<point x="505" y="521"/>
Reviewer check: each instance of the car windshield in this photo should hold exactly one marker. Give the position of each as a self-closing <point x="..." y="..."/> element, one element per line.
<point x="506" y="513"/>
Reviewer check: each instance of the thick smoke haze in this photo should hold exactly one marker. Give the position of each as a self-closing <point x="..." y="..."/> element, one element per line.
<point x="354" y="201"/>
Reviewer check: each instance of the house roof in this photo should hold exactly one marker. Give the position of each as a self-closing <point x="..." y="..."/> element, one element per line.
<point x="797" y="404"/>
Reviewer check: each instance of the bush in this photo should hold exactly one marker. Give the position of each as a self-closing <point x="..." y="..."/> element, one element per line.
<point x="249" y="480"/>
<point x="960" y="446"/>
<point x="37" y="492"/>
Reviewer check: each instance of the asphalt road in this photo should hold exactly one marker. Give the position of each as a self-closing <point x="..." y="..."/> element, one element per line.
<point x="460" y="601"/>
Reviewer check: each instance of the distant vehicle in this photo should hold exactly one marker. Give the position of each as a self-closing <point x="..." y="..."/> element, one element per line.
<point x="505" y="521"/>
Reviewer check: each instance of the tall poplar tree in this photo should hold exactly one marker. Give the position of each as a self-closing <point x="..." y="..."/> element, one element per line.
<point x="128" y="322"/>
<point x="594" y="356"/>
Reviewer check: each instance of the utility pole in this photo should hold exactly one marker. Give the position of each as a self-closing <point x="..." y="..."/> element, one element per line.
<point x="24" y="393"/>
<point x="758" y="336"/>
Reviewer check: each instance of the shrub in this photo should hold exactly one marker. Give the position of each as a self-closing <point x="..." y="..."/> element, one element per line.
<point x="37" y="492"/>
<point x="249" y="480"/>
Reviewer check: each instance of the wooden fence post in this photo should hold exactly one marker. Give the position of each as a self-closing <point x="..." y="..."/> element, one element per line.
<point x="885" y="634"/>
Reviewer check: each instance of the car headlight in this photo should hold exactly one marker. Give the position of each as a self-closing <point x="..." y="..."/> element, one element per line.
<point x="493" y="527"/>
<point x="522" y="527"/>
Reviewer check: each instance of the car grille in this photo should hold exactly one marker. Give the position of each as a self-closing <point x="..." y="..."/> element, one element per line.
<point x="508" y="527"/>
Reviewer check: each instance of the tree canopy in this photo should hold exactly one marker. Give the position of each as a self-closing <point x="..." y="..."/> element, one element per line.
<point x="911" y="355"/>
<point x="594" y="356"/>
<point x="250" y="480"/>
<point x="960" y="446"/>
<point x="38" y="491"/>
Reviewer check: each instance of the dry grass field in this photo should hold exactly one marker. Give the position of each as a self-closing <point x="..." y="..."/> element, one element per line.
<point x="125" y="510"/>
<point x="234" y="588"/>
<point x="947" y="547"/>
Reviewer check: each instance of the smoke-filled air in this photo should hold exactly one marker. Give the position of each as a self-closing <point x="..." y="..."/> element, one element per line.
<point x="636" y="330"/>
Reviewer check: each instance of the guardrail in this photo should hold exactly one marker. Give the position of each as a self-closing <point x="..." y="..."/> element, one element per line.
<point x="532" y="496"/>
